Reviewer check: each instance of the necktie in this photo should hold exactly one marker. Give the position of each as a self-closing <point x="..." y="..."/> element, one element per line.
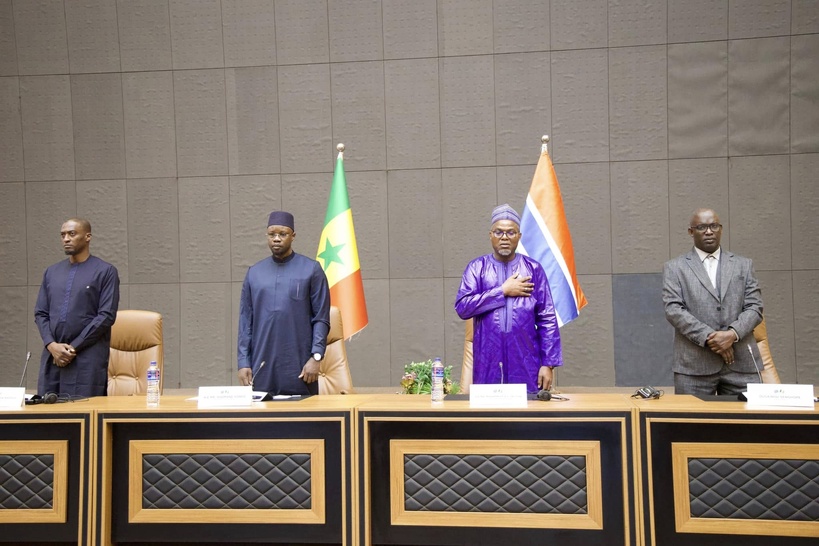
<point x="711" y="268"/>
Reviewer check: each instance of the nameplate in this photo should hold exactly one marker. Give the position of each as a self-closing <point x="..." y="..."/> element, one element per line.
<point x="224" y="397"/>
<point x="776" y="394"/>
<point x="498" y="396"/>
<point x="12" y="397"/>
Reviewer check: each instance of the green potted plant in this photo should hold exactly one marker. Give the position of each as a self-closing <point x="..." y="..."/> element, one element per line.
<point x="417" y="379"/>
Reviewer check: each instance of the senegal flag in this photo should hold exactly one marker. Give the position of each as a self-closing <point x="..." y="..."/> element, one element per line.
<point x="338" y="256"/>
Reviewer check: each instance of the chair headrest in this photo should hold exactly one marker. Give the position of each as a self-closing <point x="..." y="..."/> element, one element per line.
<point x="136" y="330"/>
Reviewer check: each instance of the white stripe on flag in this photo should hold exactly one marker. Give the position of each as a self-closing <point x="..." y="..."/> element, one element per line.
<point x="560" y="285"/>
<point x="558" y="255"/>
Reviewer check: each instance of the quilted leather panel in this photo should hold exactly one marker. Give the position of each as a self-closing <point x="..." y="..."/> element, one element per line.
<point x="222" y="480"/>
<point x="547" y="484"/>
<point x="754" y="489"/>
<point x="26" y="481"/>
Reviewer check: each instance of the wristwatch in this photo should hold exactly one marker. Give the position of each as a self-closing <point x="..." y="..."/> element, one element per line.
<point x="317" y="357"/>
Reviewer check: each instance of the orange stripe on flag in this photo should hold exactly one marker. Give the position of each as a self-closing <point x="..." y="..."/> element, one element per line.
<point x="348" y="295"/>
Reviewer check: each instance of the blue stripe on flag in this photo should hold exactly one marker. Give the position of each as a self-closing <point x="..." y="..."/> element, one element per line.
<point x="536" y="246"/>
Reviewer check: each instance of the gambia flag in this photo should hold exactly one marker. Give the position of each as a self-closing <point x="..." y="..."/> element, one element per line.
<point x="544" y="236"/>
<point x="338" y="256"/>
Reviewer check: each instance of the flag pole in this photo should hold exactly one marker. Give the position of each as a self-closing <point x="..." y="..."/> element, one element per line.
<point x="338" y="254"/>
<point x="545" y="237"/>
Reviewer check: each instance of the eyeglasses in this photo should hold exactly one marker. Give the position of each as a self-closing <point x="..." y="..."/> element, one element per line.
<point x="499" y="233"/>
<point x="702" y="228"/>
<point x="279" y="234"/>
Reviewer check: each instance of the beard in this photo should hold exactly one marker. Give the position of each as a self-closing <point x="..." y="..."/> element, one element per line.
<point x="505" y="252"/>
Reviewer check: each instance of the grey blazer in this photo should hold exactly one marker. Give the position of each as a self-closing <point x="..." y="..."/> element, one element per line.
<point x="695" y="309"/>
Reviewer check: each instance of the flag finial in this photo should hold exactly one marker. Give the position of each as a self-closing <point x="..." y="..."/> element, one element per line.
<point x="545" y="144"/>
<point x="340" y="147"/>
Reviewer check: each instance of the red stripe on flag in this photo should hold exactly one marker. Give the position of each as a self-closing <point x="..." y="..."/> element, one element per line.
<point x="348" y="295"/>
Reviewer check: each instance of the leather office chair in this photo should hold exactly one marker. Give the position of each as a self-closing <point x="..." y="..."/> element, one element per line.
<point x="334" y="375"/>
<point x="466" y="368"/>
<point x="136" y="340"/>
<point x="768" y="373"/>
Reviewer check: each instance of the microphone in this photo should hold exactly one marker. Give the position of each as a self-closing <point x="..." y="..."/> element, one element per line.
<point x="25" y="368"/>
<point x="755" y="364"/>
<point x="545" y="396"/>
<point x="257" y="372"/>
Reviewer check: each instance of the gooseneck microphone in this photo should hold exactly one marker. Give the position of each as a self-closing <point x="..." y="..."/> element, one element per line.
<point x="756" y="367"/>
<point x="257" y="372"/>
<point x="25" y="368"/>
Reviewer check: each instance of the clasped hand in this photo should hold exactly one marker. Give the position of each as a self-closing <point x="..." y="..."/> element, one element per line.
<point x="722" y="343"/>
<point x="518" y="286"/>
<point x="309" y="373"/>
<point x="62" y="353"/>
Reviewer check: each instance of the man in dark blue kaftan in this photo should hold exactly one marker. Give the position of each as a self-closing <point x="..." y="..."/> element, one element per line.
<point x="75" y="309"/>
<point x="506" y="294"/>
<point x="284" y="317"/>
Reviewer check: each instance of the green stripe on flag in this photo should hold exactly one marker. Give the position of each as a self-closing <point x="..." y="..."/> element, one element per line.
<point x="339" y="200"/>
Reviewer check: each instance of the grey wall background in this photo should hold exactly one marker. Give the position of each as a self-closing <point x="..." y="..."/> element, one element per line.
<point x="175" y="126"/>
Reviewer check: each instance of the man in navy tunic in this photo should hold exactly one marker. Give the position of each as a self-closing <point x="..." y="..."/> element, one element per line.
<point x="284" y="316"/>
<point x="75" y="309"/>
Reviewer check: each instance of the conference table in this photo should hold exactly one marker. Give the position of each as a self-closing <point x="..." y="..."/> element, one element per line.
<point x="46" y="473"/>
<point x="370" y="469"/>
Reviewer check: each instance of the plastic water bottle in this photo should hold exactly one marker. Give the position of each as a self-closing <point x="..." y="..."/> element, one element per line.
<point x="437" y="380"/>
<point x="153" y="385"/>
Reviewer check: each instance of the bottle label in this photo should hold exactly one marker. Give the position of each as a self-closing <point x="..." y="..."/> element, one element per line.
<point x="437" y="381"/>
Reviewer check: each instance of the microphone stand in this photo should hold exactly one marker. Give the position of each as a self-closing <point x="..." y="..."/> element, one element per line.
<point x="252" y="377"/>
<point x="25" y="369"/>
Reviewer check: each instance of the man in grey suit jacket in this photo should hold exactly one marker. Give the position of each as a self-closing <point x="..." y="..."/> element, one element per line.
<point x="713" y="314"/>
